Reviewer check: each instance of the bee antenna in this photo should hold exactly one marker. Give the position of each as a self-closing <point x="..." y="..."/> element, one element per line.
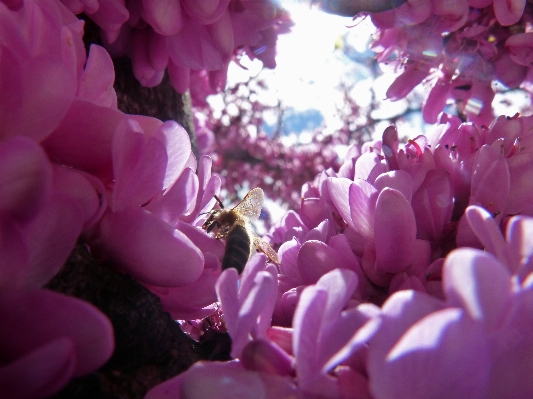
<point x="219" y="202"/>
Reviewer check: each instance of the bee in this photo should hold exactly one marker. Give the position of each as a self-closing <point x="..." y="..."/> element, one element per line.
<point x="233" y="226"/>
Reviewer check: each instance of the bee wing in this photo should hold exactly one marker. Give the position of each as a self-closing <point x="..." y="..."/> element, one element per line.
<point x="251" y="205"/>
<point x="265" y="247"/>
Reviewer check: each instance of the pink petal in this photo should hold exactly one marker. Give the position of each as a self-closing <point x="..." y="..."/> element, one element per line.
<point x="339" y="189"/>
<point x="193" y="48"/>
<point x="227" y="293"/>
<point x="110" y="16"/>
<point x="178" y="146"/>
<point x="262" y="292"/>
<point x="148" y="249"/>
<point x="414" y="74"/>
<point x="433" y="205"/>
<point x="307" y="323"/>
<point x="14" y="257"/>
<point x="508" y="12"/>
<point x="36" y="95"/>
<point x="288" y="253"/>
<point x="475" y="281"/>
<point x="179" y="199"/>
<point x="397" y="179"/>
<point x="435" y="101"/>
<point x="265" y="356"/>
<point x="340" y="284"/>
<point x="85" y="189"/>
<point x="414" y="12"/>
<point x="186" y="303"/>
<point x="363" y="198"/>
<point x="521" y="171"/>
<point x="96" y="81"/>
<point x="25" y="177"/>
<point x="143" y="70"/>
<point x="221" y="32"/>
<point x="51" y="237"/>
<point x="40" y="373"/>
<point x="490" y="180"/>
<point x="164" y="16"/>
<point x="179" y="76"/>
<point x="394" y="231"/>
<point x="315" y="259"/>
<point x="157" y="51"/>
<point x="442" y="347"/>
<point x="488" y="233"/>
<point x="84" y="138"/>
<point x="139" y="165"/>
<point x="205" y="12"/>
<point x="48" y="316"/>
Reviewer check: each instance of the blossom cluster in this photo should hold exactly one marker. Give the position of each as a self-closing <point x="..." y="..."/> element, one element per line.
<point x="186" y="38"/>
<point x="406" y="269"/>
<point x="245" y="155"/>
<point x="462" y="47"/>
<point x="72" y="166"/>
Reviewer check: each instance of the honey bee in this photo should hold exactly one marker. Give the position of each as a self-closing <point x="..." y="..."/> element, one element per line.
<point x="233" y="226"/>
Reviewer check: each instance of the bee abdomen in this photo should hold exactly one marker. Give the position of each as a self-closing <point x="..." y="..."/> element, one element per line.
<point x="238" y="247"/>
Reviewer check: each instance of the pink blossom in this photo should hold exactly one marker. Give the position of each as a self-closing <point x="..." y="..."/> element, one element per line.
<point x="458" y="49"/>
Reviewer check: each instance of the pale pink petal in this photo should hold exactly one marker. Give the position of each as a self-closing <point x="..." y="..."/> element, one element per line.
<point x="149" y="249"/>
<point x="394" y="231"/>
<point x="288" y="253"/>
<point x="433" y="205"/>
<point x="442" y="347"/>
<point x="363" y="197"/>
<point x="339" y="189"/>
<point x="397" y="179"/>
<point x="316" y="259"/>
<point x="307" y="324"/>
<point x="475" y="281"/>
<point x="96" y="81"/>
<point x="227" y="292"/>
<point x="508" y="12"/>
<point x="178" y="146"/>
<point x="179" y="199"/>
